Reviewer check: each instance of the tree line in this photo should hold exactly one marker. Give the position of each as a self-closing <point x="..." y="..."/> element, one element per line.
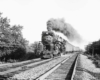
<point x="12" y="44"/>
<point x="93" y="49"/>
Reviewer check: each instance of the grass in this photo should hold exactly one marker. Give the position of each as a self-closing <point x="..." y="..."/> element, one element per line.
<point x="95" y="59"/>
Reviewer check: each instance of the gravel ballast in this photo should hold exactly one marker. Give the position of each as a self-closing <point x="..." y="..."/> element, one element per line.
<point x="86" y="70"/>
<point x="37" y="71"/>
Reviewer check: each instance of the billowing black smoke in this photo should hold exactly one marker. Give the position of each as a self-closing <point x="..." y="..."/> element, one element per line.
<point x="65" y="28"/>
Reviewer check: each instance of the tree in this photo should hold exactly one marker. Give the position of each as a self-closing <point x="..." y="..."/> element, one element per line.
<point x="93" y="48"/>
<point x="12" y="43"/>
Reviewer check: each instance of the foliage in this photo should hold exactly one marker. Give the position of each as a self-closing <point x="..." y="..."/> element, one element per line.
<point x="93" y="48"/>
<point x="37" y="48"/>
<point x="34" y="50"/>
<point x="93" y="51"/>
<point x="12" y="43"/>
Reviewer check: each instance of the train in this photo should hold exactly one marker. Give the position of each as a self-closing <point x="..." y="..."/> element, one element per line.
<point x="71" y="48"/>
<point x="53" y="45"/>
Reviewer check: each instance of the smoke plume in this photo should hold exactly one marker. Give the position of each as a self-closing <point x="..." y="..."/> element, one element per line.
<point x="59" y="25"/>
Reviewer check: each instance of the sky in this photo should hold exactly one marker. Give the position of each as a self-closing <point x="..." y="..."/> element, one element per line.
<point x="83" y="15"/>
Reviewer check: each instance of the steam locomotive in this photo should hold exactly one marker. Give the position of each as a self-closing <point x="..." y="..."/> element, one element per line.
<point x="53" y="45"/>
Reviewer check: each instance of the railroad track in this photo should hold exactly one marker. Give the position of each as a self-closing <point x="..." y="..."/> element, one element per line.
<point x="15" y="65"/>
<point x="62" y="71"/>
<point x="8" y="65"/>
<point x="38" y="75"/>
<point x="39" y="71"/>
<point x="9" y="71"/>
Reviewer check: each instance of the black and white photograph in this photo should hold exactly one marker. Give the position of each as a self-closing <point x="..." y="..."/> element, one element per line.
<point x="49" y="39"/>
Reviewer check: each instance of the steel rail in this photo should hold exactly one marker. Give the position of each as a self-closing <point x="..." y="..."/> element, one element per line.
<point x="9" y="73"/>
<point x="74" y="70"/>
<point x="43" y="76"/>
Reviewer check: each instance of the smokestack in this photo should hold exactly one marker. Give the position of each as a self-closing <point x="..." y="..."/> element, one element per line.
<point x="59" y="25"/>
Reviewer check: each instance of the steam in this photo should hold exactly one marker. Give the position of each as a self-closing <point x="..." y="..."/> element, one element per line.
<point x="59" y="25"/>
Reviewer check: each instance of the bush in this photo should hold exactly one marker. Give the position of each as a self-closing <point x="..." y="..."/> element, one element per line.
<point x="12" y="43"/>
